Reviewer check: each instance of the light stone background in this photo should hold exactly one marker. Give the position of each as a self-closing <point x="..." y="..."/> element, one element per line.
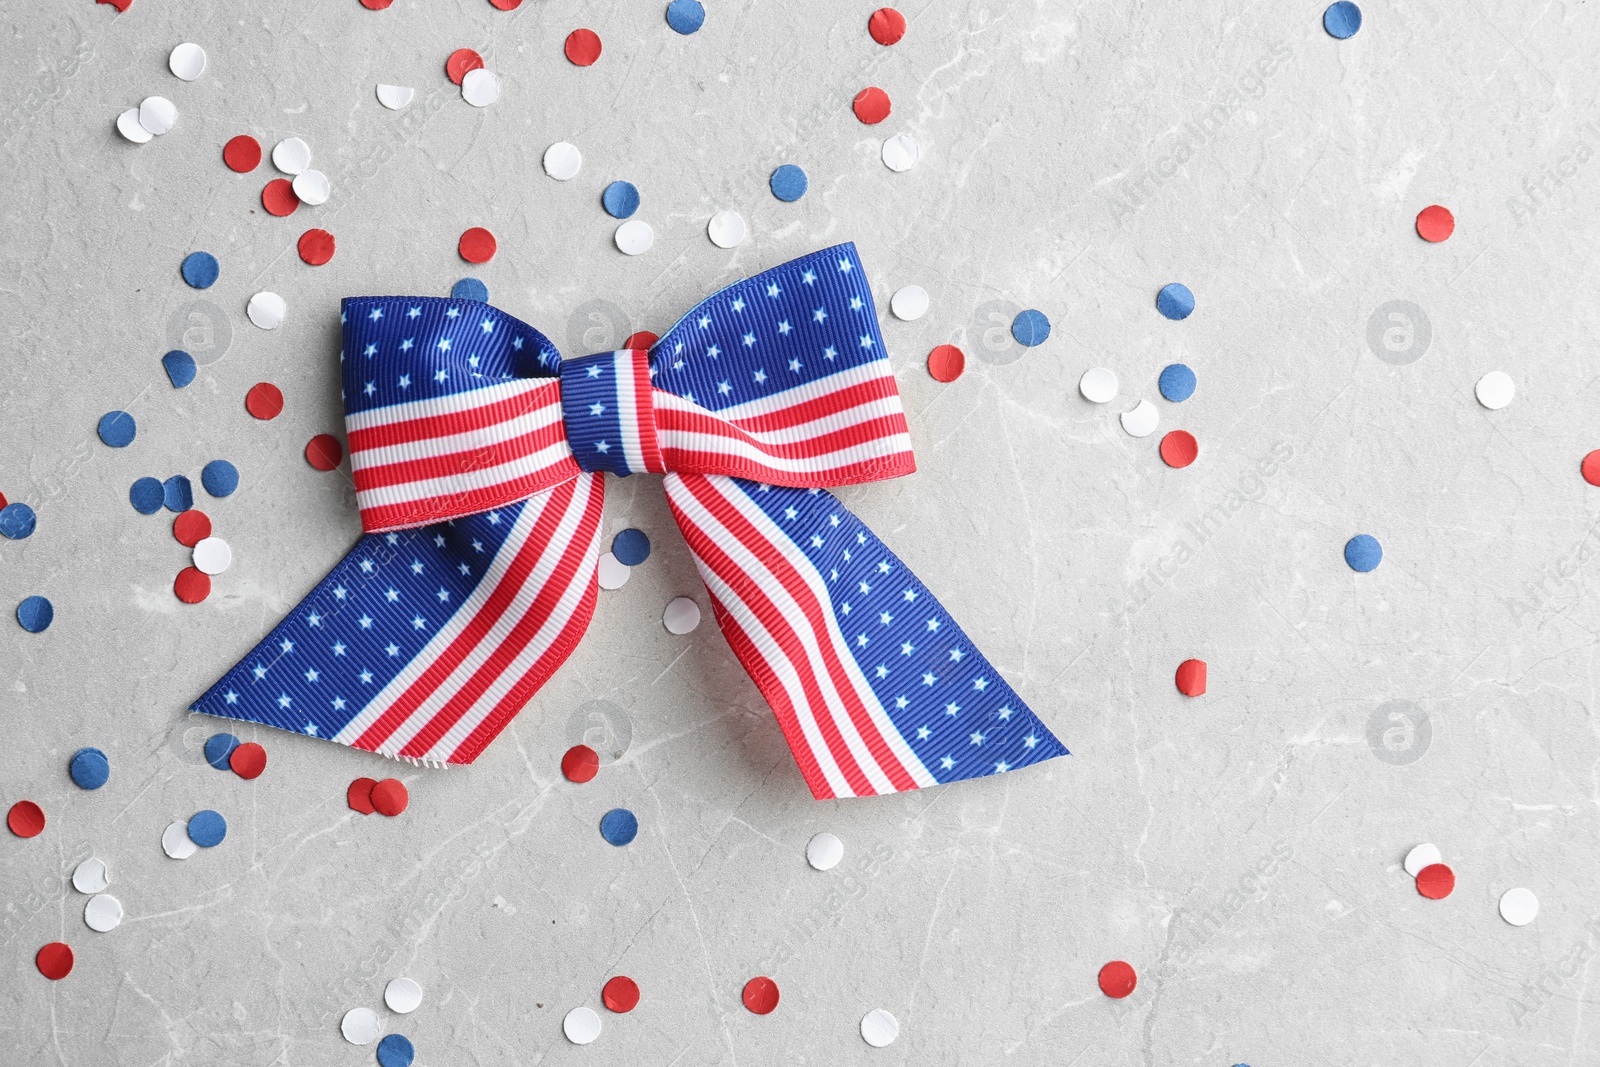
<point x="1241" y="850"/>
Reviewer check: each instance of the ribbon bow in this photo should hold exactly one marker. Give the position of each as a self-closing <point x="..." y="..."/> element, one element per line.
<point x="478" y="456"/>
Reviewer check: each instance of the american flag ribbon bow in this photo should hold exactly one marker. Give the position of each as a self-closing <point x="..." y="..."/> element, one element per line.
<point x="479" y="456"/>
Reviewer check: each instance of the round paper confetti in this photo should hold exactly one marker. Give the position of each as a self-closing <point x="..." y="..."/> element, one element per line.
<point x="103" y="913"/>
<point x="117" y="429"/>
<point x="581" y="1025"/>
<point x="505" y="5"/>
<point x="395" y="97"/>
<point x="180" y="367"/>
<point x="946" y="362"/>
<point x="157" y="114"/>
<point x="621" y="200"/>
<point x="219" y="747"/>
<point x="17" y="521"/>
<point x="635" y="237"/>
<point x="631" y="547"/>
<point x="192" y="585"/>
<point x="278" y="197"/>
<point x="291" y="155"/>
<point x="1177" y="382"/>
<point x="396" y="1050"/>
<point x="580" y="764"/>
<point x="886" y="25"/>
<point x="682" y="616"/>
<point x="470" y="289"/>
<point x="1179" y="448"/>
<point x="1098" y="385"/>
<point x="324" y="452"/>
<point x="200" y="270"/>
<point x="191" y="527"/>
<point x="909" y="303"/>
<point x="1117" y="979"/>
<point x="1191" y="677"/>
<point x="359" y="796"/>
<point x="219" y="477"/>
<point x="619" y="826"/>
<point x="145" y="495"/>
<point x="26" y="819"/>
<point x="264" y="400"/>
<point x="477" y="245"/>
<point x="311" y="187"/>
<point x="54" y="960"/>
<point x="390" y="797"/>
<point x="91" y="876"/>
<point x="402" y="995"/>
<point x="267" y="310"/>
<point x="128" y="126"/>
<point x="562" y="161"/>
<point x="177" y="494"/>
<point x="879" y="1028"/>
<point x="583" y="47"/>
<point x="360" y="1026"/>
<point x="1030" y="328"/>
<point x="871" y="105"/>
<point x="1342" y="19"/>
<point x="89" y="768"/>
<point x="726" y="229"/>
<point x="900" y="152"/>
<point x="175" y="841"/>
<point x="1495" y="390"/>
<point x="480" y="88"/>
<point x="35" y="614"/>
<point x="212" y="556"/>
<point x="248" y="760"/>
<point x="1424" y="855"/>
<point x="242" y="153"/>
<point x="1436" y="881"/>
<point x="643" y="340"/>
<point x="1590" y="468"/>
<point x="1435" y="223"/>
<point x="1175" y="301"/>
<point x="761" y="995"/>
<point x="461" y="61"/>
<point x="788" y="183"/>
<point x="613" y="573"/>
<point x="207" y="828"/>
<point x="1363" y="552"/>
<point x="1519" y="906"/>
<point x="824" y="851"/>
<point x="621" y="994"/>
<point x="686" y="16"/>
<point x="187" y="61"/>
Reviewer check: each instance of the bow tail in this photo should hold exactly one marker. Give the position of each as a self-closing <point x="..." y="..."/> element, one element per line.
<point x="424" y="643"/>
<point x="875" y="686"/>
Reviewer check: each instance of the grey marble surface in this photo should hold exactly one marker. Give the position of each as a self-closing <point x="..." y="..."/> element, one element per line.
<point x="1242" y="850"/>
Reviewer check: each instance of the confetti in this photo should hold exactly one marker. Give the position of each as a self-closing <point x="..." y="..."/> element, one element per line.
<point x="681" y="616"/>
<point x="120" y="5"/>
<point x="1590" y="468"/>
<point x="191" y="527"/>
<point x="91" y="876"/>
<point x="643" y="340"/>
<point x="1519" y="906"/>
<point x="207" y="828"/>
<point x="581" y="1025"/>
<point x="506" y="5"/>
<point x="946" y="362"/>
<point x="620" y="994"/>
<point x="180" y="367"/>
<point x="267" y="310"/>
<point x="1435" y="223"/>
<point x="1175" y="301"/>
<point x="177" y="494"/>
<point x="359" y="795"/>
<point x="187" y="61"/>
<point x="103" y="913"/>
<point x="212" y="556"/>
<point x="26" y="819"/>
<point x="788" y="183"/>
<point x="219" y="477"/>
<point x="470" y="289"/>
<point x="1495" y="390"/>
<point x="55" y="959"/>
<point x="175" y="841"/>
<point x="1179" y="449"/>
<point x="477" y="245"/>
<point x="726" y="229"/>
<point x="117" y="429"/>
<point x="1117" y="979"/>
<point x="909" y="303"/>
<point x="315" y="247"/>
<point x="146" y="496"/>
<point x="1142" y="420"/>
<point x="1030" y="328"/>
<point x="1436" y="881"/>
<point x="634" y="237"/>
<point x="89" y="768"/>
<point x="480" y="88"/>
<point x="621" y="200"/>
<point x="1098" y="385"/>
<point x="219" y="748"/>
<point x="264" y="400"/>
<point x="460" y="62"/>
<point x="871" y="105"/>
<point x="311" y="187"/>
<point x="395" y="97"/>
<point x="376" y="5"/>
<point x="157" y="114"/>
<point x="619" y="826"/>
<point x="631" y="547"/>
<point x="396" y="1050"/>
<point x="760" y="995"/>
<point x="1424" y="855"/>
<point x="900" y="152"/>
<point x="582" y="48"/>
<point x="35" y="614"/>
<point x="324" y="452"/>
<point x="248" y="761"/>
<point x="580" y="764"/>
<point x="192" y="585"/>
<point x="613" y="573"/>
<point x="1342" y="19"/>
<point x="1191" y="677"/>
<point x="824" y="851"/>
<point x="242" y="153"/>
<point x="402" y="995"/>
<point x="686" y="16"/>
<point x="200" y="270"/>
<point x="1363" y="553"/>
<point x="17" y="521"/>
<point x="879" y="1028"/>
<point x="390" y="797"/>
<point x="1177" y="382"/>
<point x="360" y="1026"/>
<point x="291" y="155"/>
<point x="278" y="198"/>
<point x="886" y="25"/>
<point x="562" y="161"/>
<point x="128" y="126"/>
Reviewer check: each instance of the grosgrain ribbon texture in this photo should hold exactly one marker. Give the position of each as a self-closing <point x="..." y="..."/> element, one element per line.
<point x="479" y="457"/>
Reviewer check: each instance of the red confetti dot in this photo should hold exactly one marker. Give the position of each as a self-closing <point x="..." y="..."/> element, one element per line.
<point x="264" y="400"/>
<point x="389" y="797"/>
<point x="886" y="25"/>
<point x="1436" y="881"/>
<point x="506" y="5"/>
<point x="3" y="501"/>
<point x="580" y="764"/>
<point x="54" y="960"/>
<point x="192" y="585"/>
<point x="248" y="760"/>
<point x="278" y="197"/>
<point x="1117" y="979"/>
<point x="191" y="527"/>
<point x="120" y="5"/>
<point x="583" y="47"/>
<point x="1435" y="223"/>
<point x="242" y="153"/>
<point x="316" y="247"/>
<point x="871" y="105"/>
<point x="1191" y="677"/>
<point x="359" y="795"/>
<point x="376" y="5"/>
<point x="477" y="245"/>
<point x="1179" y="448"/>
<point x="461" y="62"/>
<point x="1590" y="468"/>
<point x="621" y="994"/>
<point x="324" y="452"/>
<point x="946" y="363"/>
<point x="761" y="995"/>
<point x="642" y="340"/>
<point x="26" y="819"/>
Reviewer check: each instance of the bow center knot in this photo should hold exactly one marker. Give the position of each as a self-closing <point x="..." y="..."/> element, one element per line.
<point x="609" y="412"/>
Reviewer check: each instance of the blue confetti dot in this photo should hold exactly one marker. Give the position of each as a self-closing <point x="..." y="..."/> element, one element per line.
<point x="1030" y="328"/>
<point x="470" y="289"/>
<point x="89" y="768"/>
<point x="1177" y="383"/>
<point x="619" y="826"/>
<point x="17" y="521"/>
<point x="179" y="366"/>
<point x="686" y="16"/>
<point x="1342" y="20"/>
<point x="207" y="828"/>
<point x="200" y="269"/>
<point x="1363" y="553"/>
<point x="220" y="477"/>
<point x="218" y="748"/>
<point x="396" y="1050"/>
<point x="621" y="199"/>
<point x="117" y="429"/>
<point x="1175" y="301"/>
<point x="631" y="547"/>
<point x="177" y="494"/>
<point x="146" y="496"/>
<point x="36" y="614"/>
<point x="788" y="183"/>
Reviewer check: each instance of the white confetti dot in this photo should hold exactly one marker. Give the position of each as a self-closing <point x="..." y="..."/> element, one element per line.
<point x="187" y="61"/>
<point x="879" y="1028"/>
<point x="402" y="995"/>
<point x="175" y="840"/>
<point x="909" y="302"/>
<point x="1420" y="857"/>
<point x="726" y="229"/>
<point x="212" y="555"/>
<point x="360" y="1026"/>
<point x="562" y="160"/>
<point x="103" y="913"/>
<point x="613" y="572"/>
<point x="1496" y="389"/>
<point x="480" y="87"/>
<point x="824" y="851"/>
<point x="128" y="126"/>
<point x="291" y="155"/>
<point x="1098" y="385"/>
<point x="157" y="114"/>
<point x="312" y="187"/>
<point x="91" y="876"/>
<point x="1518" y="906"/>
<point x="581" y="1026"/>
<point x="635" y="237"/>
<point x="266" y="310"/>
<point x="1142" y="420"/>
<point x="395" y="97"/>
<point x="900" y="152"/>
<point x="681" y="616"/>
